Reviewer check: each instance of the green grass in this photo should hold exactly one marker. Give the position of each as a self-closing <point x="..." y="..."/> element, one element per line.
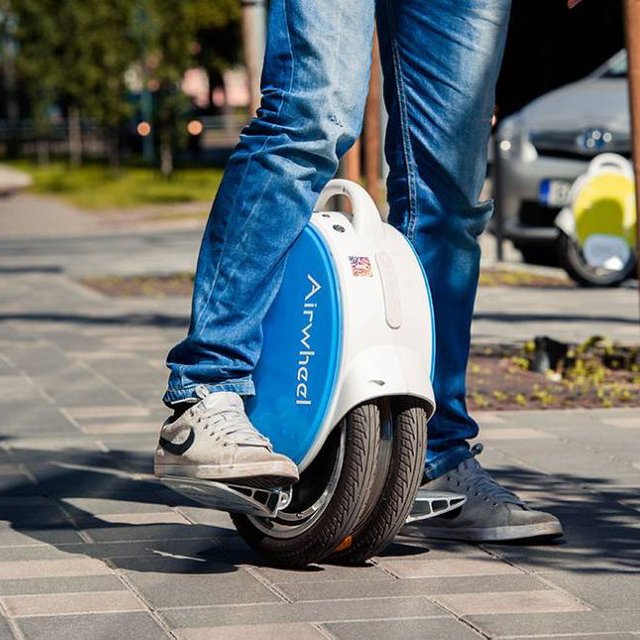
<point x="97" y="187"/>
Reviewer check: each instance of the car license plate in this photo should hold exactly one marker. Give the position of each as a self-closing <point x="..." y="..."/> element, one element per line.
<point x="554" y="193"/>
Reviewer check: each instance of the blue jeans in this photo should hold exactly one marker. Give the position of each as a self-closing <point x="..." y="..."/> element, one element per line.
<point x="440" y="62"/>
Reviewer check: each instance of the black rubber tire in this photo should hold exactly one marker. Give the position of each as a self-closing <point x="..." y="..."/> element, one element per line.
<point x="579" y="271"/>
<point x="345" y="506"/>
<point x="404" y="476"/>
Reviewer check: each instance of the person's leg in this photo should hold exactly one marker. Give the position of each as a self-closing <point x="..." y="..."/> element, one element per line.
<point x="441" y="60"/>
<point x="314" y="86"/>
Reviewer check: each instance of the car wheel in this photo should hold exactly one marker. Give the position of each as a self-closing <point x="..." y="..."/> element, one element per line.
<point x="579" y="270"/>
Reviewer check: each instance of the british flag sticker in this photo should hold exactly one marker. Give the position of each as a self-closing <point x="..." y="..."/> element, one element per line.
<point x="361" y="266"/>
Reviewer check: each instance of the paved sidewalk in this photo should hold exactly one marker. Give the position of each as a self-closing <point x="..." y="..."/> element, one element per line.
<point x="91" y="546"/>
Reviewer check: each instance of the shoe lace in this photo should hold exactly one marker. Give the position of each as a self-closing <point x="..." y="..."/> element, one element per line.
<point x="232" y="425"/>
<point x="478" y="480"/>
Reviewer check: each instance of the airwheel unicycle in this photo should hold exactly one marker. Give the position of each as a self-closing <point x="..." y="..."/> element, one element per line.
<point x="342" y="388"/>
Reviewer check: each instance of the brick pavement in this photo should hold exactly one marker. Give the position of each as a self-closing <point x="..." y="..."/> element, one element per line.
<point x="91" y="546"/>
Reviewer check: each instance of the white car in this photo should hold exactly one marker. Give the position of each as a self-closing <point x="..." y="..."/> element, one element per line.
<point x="544" y="147"/>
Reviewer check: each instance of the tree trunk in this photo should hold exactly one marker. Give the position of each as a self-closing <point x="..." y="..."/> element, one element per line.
<point x="253" y="39"/>
<point x="42" y="151"/>
<point x="166" y="155"/>
<point x="114" y="149"/>
<point x="75" y="135"/>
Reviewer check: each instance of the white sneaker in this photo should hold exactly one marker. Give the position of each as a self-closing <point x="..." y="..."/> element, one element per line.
<point x="214" y="440"/>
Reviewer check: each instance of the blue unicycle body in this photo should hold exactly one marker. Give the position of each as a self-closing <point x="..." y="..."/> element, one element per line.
<point x="343" y="387"/>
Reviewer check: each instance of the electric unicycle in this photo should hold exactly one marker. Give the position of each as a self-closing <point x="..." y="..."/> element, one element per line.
<point x="342" y="388"/>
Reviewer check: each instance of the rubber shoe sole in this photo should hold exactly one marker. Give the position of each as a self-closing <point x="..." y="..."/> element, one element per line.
<point x="546" y="530"/>
<point x="260" y="474"/>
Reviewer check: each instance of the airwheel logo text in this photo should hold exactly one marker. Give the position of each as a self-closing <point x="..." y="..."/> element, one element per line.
<point x="306" y="353"/>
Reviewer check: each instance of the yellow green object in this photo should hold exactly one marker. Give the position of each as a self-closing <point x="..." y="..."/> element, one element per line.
<point x="606" y="205"/>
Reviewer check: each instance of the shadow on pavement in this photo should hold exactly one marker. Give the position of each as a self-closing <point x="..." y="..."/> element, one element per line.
<point x="31" y="269"/>
<point x="72" y="489"/>
<point x="601" y="531"/>
<point x="127" y="319"/>
<point x="551" y="317"/>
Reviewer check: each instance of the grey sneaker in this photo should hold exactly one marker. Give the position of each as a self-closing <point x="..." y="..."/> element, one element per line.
<point x="214" y="440"/>
<point x="491" y="512"/>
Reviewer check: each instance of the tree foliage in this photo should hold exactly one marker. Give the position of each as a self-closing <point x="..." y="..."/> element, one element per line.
<point x="77" y="53"/>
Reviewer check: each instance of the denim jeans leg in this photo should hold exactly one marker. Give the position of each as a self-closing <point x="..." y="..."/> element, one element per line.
<point x="441" y="61"/>
<point x="314" y="86"/>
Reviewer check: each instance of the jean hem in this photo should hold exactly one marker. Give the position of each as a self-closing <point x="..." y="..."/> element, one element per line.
<point x="446" y="461"/>
<point x="187" y="392"/>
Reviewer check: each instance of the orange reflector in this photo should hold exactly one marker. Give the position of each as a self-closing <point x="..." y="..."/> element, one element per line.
<point x="345" y="544"/>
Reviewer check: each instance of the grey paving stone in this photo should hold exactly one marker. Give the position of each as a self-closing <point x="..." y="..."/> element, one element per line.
<point x="447" y="567"/>
<point x="33" y="418"/>
<point x="17" y="485"/>
<point x="35" y="552"/>
<point x="549" y="457"/>
<point x="73" y="343"/>
<point x="76" y="584"/>
<point x="163" y="556"/>
<point x="145" y="441"/>
<point x="11" y="469"/>
<point x="412" y="545"/>
<point x="106" y="412"/>
<point x="148" y="395"/>
<point x="99" y="506"/>
<point x="77" y="452"/>
<point x="37" y="358"/>
<point x="585" y="636"/>
<point x="538" y="601"/>
<point x="602" y="590"/>
<point x="559" y="419"/>
<point x="16" y="387"/>
<point x="60" y="567"/>
<point x="21" y="606"/>
<point x="290" y="631"/>
<point x="127" y="367"/>
<point x="80" y="391"/>
<point x="90" y="627"/>
<point x="111" y="533"/>
<point x="312" y="590"/>
<point x="202" y="515"/>
<point x="46" y="534"/>
<point x="88" y="474"/>
<point x="612" y="484"/>
<point x="322" y="612"/>
<point x="5" y="630"/>
<point x="416" y="629"/>
<point x="31" y="512"/>
<point x="167" y="516"/>
<point x="119" y="427"/>
<point x="197" y="587"/>
<point x="323" y="573"/>
<point x="595" y="549"/>
<point x="624" y="621"/>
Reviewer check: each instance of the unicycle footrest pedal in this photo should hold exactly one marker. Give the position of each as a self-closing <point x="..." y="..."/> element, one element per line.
<point x="430" y="504"/>
<point x="231" y="497"/>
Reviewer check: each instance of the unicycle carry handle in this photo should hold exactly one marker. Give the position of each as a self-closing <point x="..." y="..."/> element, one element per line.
<point x="611" y="161"/>
<point x="366" y="218"/>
